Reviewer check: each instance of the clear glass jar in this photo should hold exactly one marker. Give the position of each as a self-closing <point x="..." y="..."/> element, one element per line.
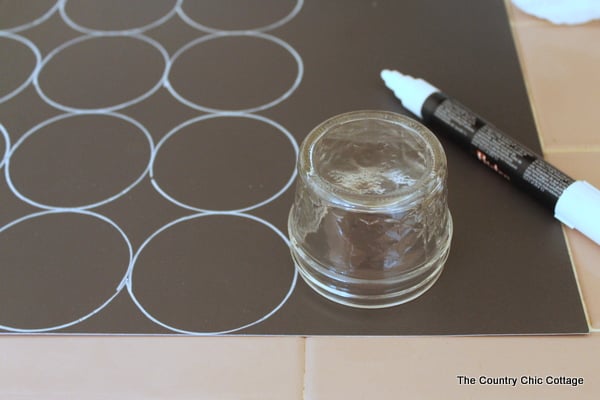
<point x="370" y="225"/>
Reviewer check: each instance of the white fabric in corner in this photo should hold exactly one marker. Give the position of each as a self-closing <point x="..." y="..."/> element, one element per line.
<point x="568" y="12"/>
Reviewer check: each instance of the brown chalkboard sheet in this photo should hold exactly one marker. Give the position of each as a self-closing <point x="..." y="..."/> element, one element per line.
<point x="147" y="165"/>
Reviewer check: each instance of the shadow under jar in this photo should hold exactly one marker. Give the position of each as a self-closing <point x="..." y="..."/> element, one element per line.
<point x="370" y="225"/>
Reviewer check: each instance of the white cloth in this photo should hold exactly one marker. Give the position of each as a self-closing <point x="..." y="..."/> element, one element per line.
<point x="568" y="12"/>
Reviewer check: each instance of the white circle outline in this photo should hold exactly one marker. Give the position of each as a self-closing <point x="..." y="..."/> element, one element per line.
<point x="118" y="289"/>
<point x="60" y="117"/>
<point x="36" y="21"/>
<point x="127" y="103"/>
<point x="4" y="133"/>
<point x="132" y="31"/>
<point x="219" y="35"/>
<point x="192" y="121"/>
<point x="196" y="216"/>
<point x="38" y="60"/>
<point x="205" y="28"/>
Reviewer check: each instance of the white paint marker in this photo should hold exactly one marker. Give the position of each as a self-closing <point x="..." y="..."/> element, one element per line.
<point x="575" y="203"/>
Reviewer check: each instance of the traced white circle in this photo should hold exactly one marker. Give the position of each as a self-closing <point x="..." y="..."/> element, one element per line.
<point x="136" y="30"/>
<point x="41" y="125"/>
<point x="36" y="21"/>
<point x="201" y="215"/>
<point x="188" y="20"/>
<point x="219" y="35"/>
<point x="118" y="289"/>
<point x="6" y="145"/>
<point x="223" y="115"/>
<point x="128" y="103"/>
<point x="38" y="59"/>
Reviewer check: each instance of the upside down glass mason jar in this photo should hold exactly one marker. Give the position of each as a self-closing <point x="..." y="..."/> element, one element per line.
<point x="370" y="225"/>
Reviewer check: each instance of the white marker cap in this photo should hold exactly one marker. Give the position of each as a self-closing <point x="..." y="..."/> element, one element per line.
<point x="579" y="208"/>
<point x="412" y="92"/>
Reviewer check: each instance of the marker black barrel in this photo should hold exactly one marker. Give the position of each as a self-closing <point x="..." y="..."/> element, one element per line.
<point x="493" y="148"/>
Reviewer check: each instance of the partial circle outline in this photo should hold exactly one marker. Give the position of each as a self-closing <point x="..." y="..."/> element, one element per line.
<point x="205" y="28"/>
<point x="133" y="31"/>
<point x="38" y="61"/>
<point x="119" y="106"/>
<point x="220" y="35"/>
<point x="174" y="131"/>
<point x="36" y="21"/>
<point x="201" y="215"/>
<point x="60" y="117"/>
<point x="118" y="289"/>
<point x="6" y="143"/>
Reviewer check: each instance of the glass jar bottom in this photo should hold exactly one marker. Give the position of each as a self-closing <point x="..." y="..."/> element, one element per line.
<point x="372" y="293"/>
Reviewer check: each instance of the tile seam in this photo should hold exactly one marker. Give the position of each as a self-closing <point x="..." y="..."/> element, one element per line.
<point x="577" y="280"/>
<point x="521" y="58"/>
<point x="304" y="351"/>
<point x="586" y="149"/>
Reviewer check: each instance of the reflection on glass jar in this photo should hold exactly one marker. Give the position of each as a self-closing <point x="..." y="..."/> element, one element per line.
<point x="370" y="225"/>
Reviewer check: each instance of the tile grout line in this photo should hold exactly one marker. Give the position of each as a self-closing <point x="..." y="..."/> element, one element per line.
<point x="572" y="149"/>
<point x="577" y="280"/>
<point x="303" y="395"/>
<point x="514" y="30"/>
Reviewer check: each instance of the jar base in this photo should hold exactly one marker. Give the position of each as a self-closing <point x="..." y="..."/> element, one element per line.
<point x="371" y="294"/>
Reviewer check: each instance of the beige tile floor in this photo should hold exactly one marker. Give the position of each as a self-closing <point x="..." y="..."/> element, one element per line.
<point x="151" y="368"/>
<point x="561" y="67"/>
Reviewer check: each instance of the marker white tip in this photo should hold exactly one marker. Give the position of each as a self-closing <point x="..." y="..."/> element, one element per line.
<point x="410" y="91"/>
<point x="388" y="77"/>
<point x="579" y="208"/>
